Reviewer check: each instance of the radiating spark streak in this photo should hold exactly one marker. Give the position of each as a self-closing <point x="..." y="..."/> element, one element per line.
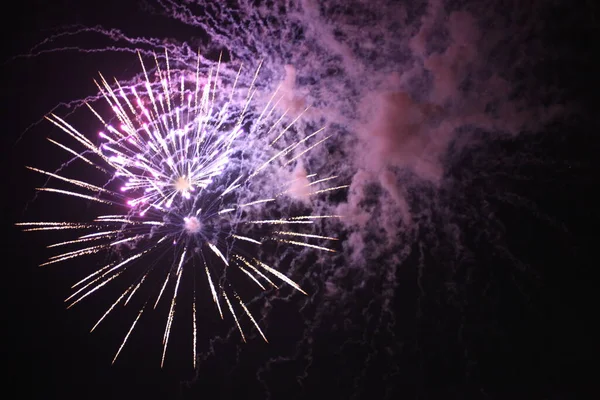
<point x="251" y="277"/>
<point x="68" y="129"/>
<point x="280" y="276"/>
<point x="226" y="210"/>
<point x="329" y="189"/>
<point x="172" y="309"/>
<point x="109" y="310"/>
<point x="252" y="203"/>
<point x="162" y="290"/>
<point x="291" y="189"/>
<point x="97" y="234"/>
<point x="80" y="240"/>
<point x="71" y="181"/>
<point x="87" y="285"/>
<point x="278" y="221"/>
<point x="252" y="319"/>
<point x="123" y="220"/>
<point x="150" y="94"/>
<point x="124" y="97"/>
<point x="213" y="292"/>
<point x="232" y="186"/>
<point x="98" y="272"/>
<point x="59" y="224"/>
<point x="315" y="217"/>
<point x="307" y="150"/>
<point x="234" y="316"/>
<point x="289" y="126"/>
<point x="281" y="117"/>
<point x="216" y="250"/>
<point x="305" y="244"/>
<point x="274" y="107"/>
<point x="94" y="289"/>
<point x="181" y="91"/>
<point x="54" y="228"/>
<point x="247" y="239"/>
<point x="212" y="101"/>
<point x="194" y="328"/>
<point x="283" y="152"/>
<point x="251" y="93"/>
<point x="253" y="268"/>
<point x="59" y="122"/>
<point x="73" y="254"/>
<point x="197" y="79"/>
<point x="166" y="84"/>
<point x="131" y="222"/>
<point x="119" y="265"/>
<point x="127" y="240"/>
<point x="251" y="86"/>
<point x="294" y="180"/>
<point x="94" y="111"/>
<point x="115" y="104"/>
<point x="259" y="119"/>
<point x="305" y="235"/>
<point x="95" y="280"/>
<point x="136" y="287"/>
<point x="322" y="180"/>
<point x="129" y="333"/>
<point x="74" y="153"/>
<point x="68" y="193"/>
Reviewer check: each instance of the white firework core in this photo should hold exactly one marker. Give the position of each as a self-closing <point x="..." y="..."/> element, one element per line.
<point x="192" y="225"/>
<point x="182" y="184"/>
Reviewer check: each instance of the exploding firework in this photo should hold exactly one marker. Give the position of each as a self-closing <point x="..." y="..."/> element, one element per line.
<point x="178" y="180"/>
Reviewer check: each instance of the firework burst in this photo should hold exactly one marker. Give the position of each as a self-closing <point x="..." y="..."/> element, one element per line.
<point x="176" y="178"/>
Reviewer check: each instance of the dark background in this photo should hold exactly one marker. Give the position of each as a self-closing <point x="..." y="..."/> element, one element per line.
<point x="546" y="353"/>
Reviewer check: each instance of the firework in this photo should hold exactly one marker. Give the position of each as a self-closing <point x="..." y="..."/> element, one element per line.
<point x="175" y="177"/>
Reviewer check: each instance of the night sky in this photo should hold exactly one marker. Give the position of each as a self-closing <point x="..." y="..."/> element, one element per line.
<point x="505" y="311"/>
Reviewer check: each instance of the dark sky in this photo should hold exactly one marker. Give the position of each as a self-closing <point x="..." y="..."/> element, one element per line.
<point x="524" y="339"/>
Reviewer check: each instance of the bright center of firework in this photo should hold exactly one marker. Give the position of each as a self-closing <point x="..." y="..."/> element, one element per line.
<point x="192" y="225"/>
<point x="182" y="184"/>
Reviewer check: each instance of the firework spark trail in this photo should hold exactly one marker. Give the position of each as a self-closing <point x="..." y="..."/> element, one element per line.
<point x="176" y="149"/>
<point x="172" y="309"/>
